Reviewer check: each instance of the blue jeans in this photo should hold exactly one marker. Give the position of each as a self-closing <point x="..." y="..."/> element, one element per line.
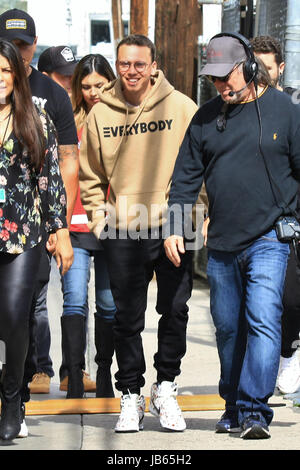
<point x="246" y="306"/>
<point x="75" y="285"/>
<point x="43" y="334"/>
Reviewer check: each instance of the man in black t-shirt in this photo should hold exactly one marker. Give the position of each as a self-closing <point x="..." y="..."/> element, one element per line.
<point x="55" y="100"/>
<point x="18" y="27"/>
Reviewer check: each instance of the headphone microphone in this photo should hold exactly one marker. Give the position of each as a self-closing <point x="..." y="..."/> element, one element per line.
<point x="232" y="93"/>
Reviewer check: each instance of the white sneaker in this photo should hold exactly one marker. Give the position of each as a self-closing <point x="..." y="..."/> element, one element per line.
<point x="132" y="413"/>
<point x="288" y="380"/>
<point x="24" y="430"/>
<point x="163" y="404"/>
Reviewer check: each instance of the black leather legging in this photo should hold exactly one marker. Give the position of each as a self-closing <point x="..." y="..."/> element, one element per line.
<point x="17" y="286"/>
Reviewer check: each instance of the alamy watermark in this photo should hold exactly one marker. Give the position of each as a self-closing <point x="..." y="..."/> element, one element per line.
<point x="153" y="221"/>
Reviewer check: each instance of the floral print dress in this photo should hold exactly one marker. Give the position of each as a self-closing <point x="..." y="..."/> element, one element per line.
<point x="33" y="200"/>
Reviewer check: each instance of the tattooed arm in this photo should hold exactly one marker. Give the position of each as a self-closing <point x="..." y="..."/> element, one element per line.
<point x="69" y="168"/>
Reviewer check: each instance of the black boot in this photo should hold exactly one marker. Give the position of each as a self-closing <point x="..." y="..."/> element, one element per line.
<point x="104" y="342"/>
<point x="11" y="382"/>
<point x="63" y="370"/>
<point x="10" y="424"/>
<point x="73" y="332"/>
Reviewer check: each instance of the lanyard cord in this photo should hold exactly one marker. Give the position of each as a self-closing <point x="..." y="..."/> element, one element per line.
<point x="3" y="140"/>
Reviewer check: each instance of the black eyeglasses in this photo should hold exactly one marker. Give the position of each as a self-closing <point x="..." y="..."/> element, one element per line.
<point x="139" y="66"/>
<point x="212" y="78"/>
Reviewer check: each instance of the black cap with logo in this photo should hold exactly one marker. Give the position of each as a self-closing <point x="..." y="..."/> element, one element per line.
<point x="58" y="59"/>
<point x="17" y="24"/>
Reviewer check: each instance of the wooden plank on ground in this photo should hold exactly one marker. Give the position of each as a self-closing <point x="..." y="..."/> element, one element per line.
<point x="112" y="405"/>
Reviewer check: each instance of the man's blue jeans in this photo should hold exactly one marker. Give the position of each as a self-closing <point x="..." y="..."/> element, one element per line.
<point x="75" y="285"/>
<point x="246" y="290"/>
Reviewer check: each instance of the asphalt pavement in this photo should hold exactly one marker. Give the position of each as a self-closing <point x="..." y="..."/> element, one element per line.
<point x="200" y="375"/>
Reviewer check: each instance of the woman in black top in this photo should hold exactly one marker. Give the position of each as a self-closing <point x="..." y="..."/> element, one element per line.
<point x="31" y="193"/>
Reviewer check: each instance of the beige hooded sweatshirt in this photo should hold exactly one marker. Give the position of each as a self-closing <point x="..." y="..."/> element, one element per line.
<point x="127" y="156"/>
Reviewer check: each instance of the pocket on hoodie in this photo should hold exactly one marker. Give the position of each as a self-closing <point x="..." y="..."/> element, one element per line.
<point x="141" y="210"/>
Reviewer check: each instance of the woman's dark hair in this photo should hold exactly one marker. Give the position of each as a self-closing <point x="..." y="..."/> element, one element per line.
<point x="27" y="125"/>
<point x="87" y="65"/>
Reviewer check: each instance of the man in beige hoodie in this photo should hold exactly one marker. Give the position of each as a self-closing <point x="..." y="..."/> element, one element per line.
<point x="128" y="151"/>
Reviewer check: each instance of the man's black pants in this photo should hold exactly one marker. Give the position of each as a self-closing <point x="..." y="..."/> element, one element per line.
<point x="291" y="307"/>
<point x="131" y="264"/>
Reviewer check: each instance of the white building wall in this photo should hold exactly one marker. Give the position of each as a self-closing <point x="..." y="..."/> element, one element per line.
<point x="53" y="28"/>
<point x="212" y="21"/>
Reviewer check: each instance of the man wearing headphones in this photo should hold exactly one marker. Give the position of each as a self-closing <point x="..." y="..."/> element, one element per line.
<point x="245" y="145"/>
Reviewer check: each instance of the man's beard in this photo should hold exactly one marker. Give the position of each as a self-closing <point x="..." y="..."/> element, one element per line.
<point x="275" y="81"/>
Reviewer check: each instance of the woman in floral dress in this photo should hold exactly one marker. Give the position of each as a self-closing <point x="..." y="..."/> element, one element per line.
<point x="31" y="194"/>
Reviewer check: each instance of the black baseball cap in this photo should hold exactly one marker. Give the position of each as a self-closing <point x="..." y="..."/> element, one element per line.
<point x="57" y="59"/>
<point x="222" y="54"/>
<point x="17" y="24"/>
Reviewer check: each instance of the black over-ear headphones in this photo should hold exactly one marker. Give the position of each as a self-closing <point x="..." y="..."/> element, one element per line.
<point x="250" y="67"/>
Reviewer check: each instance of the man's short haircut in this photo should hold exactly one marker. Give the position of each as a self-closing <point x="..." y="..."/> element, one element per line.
<point x="138" y="40"/>
<point x="267" y="45"/>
